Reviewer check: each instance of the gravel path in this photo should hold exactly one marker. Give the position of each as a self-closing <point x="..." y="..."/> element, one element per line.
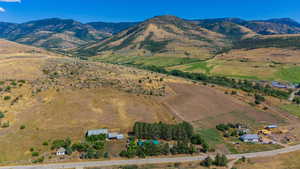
<point x="80" y="165"/>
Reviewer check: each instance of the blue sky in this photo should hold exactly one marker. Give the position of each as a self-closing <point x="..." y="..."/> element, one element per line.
<point x="137" y="10"/>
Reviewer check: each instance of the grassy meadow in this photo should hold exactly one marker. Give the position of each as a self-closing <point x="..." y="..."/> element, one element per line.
<point x="292" y="108"/>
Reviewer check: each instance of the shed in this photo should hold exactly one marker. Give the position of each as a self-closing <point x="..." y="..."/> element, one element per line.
<point x="61" y="151"/>
<point x="96" y="132"/>
<point x="115" y="136"/>
<point x="253" y="138"/>
<point x="271" y="126"/>
<point x="278" y="85"/>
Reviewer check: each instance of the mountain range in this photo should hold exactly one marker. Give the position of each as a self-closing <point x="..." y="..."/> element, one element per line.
<point x="161" y="35"/>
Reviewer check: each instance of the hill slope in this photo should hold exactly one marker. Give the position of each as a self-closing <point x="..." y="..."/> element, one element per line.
<point x="51" y="33"/>
<point x="13" y="49"/>
<point x="263" y="27"/>
<point x="112" y="28"/>
<point x="161" y="36"/>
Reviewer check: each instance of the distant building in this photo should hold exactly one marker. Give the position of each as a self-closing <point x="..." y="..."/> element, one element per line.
<point x="115" y="136"/>
<point x="96" y="132"/>
<point x="61" y="151"/>
<point x="278" y="85"/>
<point x="271" y="127"/>
<point x="252" y="138"/>
<point x="284" y="86"/>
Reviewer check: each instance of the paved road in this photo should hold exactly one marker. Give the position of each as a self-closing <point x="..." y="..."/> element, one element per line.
<point x="80" y="165"/>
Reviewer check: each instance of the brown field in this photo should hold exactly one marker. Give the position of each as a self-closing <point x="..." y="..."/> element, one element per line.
<point x="287" y="56"/>
<point x="284" y="161"/>
<point x="207" y="106"/>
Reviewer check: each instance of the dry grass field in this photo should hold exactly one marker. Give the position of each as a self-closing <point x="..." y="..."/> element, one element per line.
<point x="62" y="98"/>
<point x="284" y="161"/>
<point x="9" y="48"/>
<point x="262" y="63"/>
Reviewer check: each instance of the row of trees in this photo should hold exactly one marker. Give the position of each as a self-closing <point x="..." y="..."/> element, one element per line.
<point x="150" y="149"/>
<point x="278" y="42"/>
<point x="181" y="131"/>
<point x="244" y="85"/>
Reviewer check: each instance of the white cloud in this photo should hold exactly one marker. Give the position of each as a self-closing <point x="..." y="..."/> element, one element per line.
<point x="2" y="9"/>
<point x="10" y="0"/>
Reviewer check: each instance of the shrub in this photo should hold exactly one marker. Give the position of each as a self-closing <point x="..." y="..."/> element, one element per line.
<point x="22" y="127"/>
<point x="2" y="115"/>
<point x="61" y="143"/>
<point x="106" y="155"/>
<point x="222" y="127"/>
<point x="35" y="154"/>
<point x="5" y="125"/>
<point x="259" y="99"/>
<point x="13" y="83"/>
<point x="221" y="160"/>
<point x="130" y="167"/>
<point x="7" y="89"/>
<point x="39" y="160"/>
<point x="7" y="97"/>
<point x="197" y="139"/>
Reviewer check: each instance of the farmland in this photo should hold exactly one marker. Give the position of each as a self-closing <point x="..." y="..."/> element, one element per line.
<point x="292" y="108"/>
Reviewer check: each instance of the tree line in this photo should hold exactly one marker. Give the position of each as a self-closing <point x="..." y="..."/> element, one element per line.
<point x="150" y="149"/>
<point x="181" y="131"/>
<point x="277" y="42"/>
<point x="245" y="85"/>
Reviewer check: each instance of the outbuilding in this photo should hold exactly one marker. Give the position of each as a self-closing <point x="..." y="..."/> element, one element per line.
<point x="271" y="127"/>
<point x="251" y="138"/>
<point x="115" y="136"/>
<point x="96" y="132"/>
<point x="61" y="151"/>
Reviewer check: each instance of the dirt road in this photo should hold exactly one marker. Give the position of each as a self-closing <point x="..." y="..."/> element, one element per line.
<point x="80" y="165"/>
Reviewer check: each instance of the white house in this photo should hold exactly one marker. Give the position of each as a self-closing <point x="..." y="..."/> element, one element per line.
<point x="61" y="151"/>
